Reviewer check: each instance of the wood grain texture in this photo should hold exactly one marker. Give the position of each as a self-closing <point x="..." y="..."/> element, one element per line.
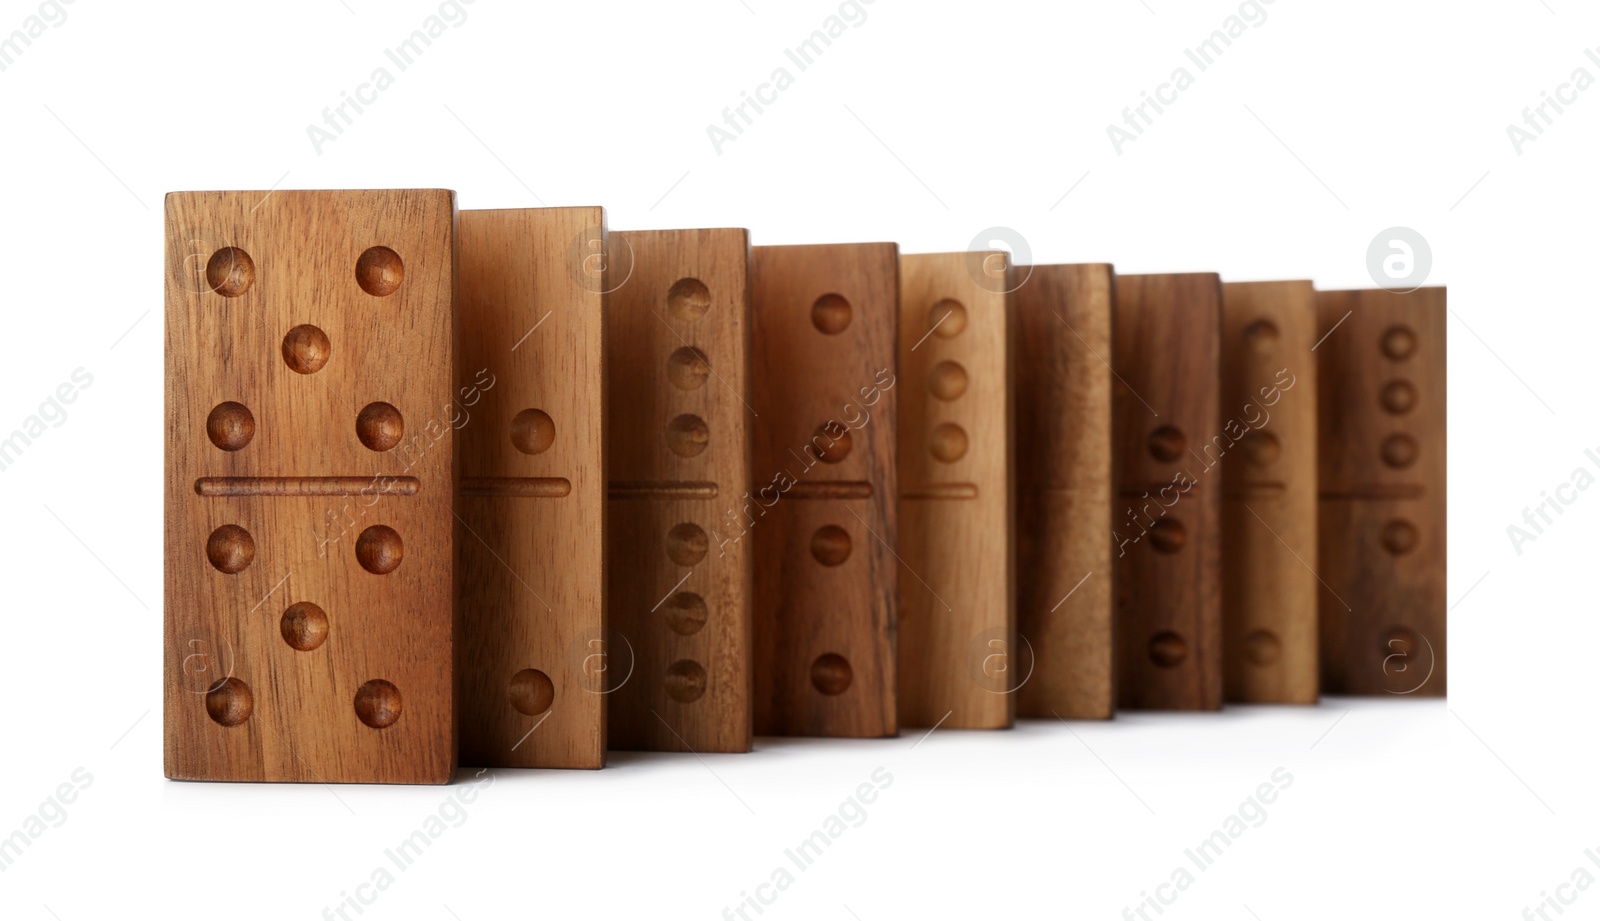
<point x="1169" y="515"/>
<point x="678" y="563"/>
<point x="957" y="613"/>
<point x="1065" y="488"/>
<point x="1269" y="477"/>
<point x="530" y="539"/>
<point x="826" y="601"/>
<point x="297" y="625"/>
<point x="1381" y="545"/>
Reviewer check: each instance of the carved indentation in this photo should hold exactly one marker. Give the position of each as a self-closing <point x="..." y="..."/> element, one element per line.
<point x="1400" y="537"/>
<point x="517" y="487"/>
<point x="661" y="489"/>
<point x="379" y="271"/>
<point x="230" y="271"/>
<point x="230" y="548"/>
<point x="1167" y="443"/>
<point x="379" y="549"/>
<point x="1262" y="648"/>
<point x="531" y="692"/>
<point x="533" y="431"/>
<point x="687" y="368"/>
<point x="1168" y="535"/>
<point x="831" y="674"/>
<point x="230" y="702"/>
<point x="1167" y="649"/>
<point x="687" y="544"/>
<point x="228" y="486"/>
<point x="1260" y="448"/>
<point x="686" y="681"/>
<point x="831" y="314"/>
<point x="1377" y="491"/>
<point x="947" y="380"/>
<point x="379" y="426"/>
<point x="688" y="299"/>
<point x="830" y="545"/>
<point x="1399" y="451"/>
<point x="1262" y="338"/>
<point x="947" y="319"/>
<point x="948" y="442"/>
<point x="831" y="489"/>
<point x="304" y="626"/>
<point x="1133" y="489"/>
<point x="832" y="442"/>
<point x="1398" y="397"/>
<point x="940" y="491"/>
<point x="685" y="613"/>
<point x="230" y="426"/>
<point x="688" y="435"/>
<point x="1400" y="641"/>
<point x="1399" y="342"/>
<point x="378" y="703"/>
<point x="306" y="349"/>
<point x="1268" y="490"/>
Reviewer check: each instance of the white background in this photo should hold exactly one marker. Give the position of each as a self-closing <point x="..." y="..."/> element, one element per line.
<point x="925" y="124"/>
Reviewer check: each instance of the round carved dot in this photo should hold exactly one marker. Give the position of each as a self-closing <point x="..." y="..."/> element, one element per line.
<point x="687" y="435"/>
<point x="832" y="441"/>
<point x="947" y="318"/>
<point x="306" y="349"/>
<point x="1260" y="448"/>
<point x="379" y="271"/>
<point x="1400" y="537"/>
<point x="947" y="380"/>
<point x="531" y="692"/>
<point x="1167" y="649"/>
<point x="533" y="431"/>
<point x="230" y="702"/>
<point x="830" y="545"/>
<point x="304" y="626"/>
<point x="1399" y="450"/>
<point x="1262" y="647"/>
<point x="1168" y="536"/>
<point x="1261" y="337"/>
<point x="686" y="681"/>
<point x="1400" y="641"/>
<point x="230" y="426"/>
<point x="831" y="674"/>
<point x="230" y="548"/>
<point x="687" y="368"/>
<point x="948" y="442"/>
<point x="1167" y="443"/>
<point x="378" y="703"/>
<point x="831" y="314"/>
<point x="380" y="426"/>
<point x="686" y="613"/>
<point x="1399" y="342"/>
<point x="230" y="271"/>
<point x="1398" y="397"/>
<point x="379" y="549"/>
<point x="688" y="299"/>
<point x="687" y="544"/>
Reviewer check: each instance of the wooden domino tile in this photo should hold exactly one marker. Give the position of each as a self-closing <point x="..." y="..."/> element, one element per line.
<point x="531" y="501"/>
<point x="1269" y="505"/>
<point x="678" y="458"/>
<point x="1381" y="418"/>
<point x="823" y="360"/>
<point x="1065" y="489"/>
<point x="309" y="419"/>
<point x="957" y="615"/>
<point x="1168" y="518"/>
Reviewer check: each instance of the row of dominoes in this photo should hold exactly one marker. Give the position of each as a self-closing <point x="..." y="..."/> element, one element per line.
<point x="503" y="488"/>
